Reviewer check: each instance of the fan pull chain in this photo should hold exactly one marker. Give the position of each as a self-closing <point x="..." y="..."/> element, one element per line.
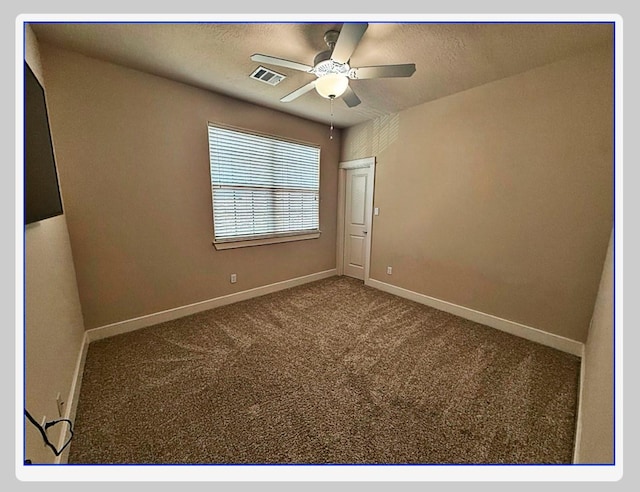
<point x="331" y="127"/>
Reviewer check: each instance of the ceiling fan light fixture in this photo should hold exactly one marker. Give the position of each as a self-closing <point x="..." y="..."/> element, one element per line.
<point x="332" y="85"/>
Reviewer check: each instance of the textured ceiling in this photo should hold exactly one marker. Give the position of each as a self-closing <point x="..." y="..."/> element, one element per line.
<point x="449" y="57"/>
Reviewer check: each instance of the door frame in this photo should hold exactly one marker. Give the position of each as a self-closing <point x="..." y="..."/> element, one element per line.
<point x="342" y="178"/>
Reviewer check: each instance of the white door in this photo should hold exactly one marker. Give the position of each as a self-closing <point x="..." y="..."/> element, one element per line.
<point x="357" y="221"/>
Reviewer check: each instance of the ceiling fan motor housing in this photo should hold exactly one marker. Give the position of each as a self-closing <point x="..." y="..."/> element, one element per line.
<point x="323" y="65"/>
<point x="321" y="57"/>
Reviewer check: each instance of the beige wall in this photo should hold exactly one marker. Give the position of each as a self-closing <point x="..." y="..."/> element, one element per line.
<point x="597" y="416"/>
<point x="134" y="172"/>
<point x="499" y="198"/>
<point x="54" y="328"/>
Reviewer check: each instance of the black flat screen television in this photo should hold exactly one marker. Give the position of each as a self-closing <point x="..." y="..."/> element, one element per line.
<point x="41" y="191"/>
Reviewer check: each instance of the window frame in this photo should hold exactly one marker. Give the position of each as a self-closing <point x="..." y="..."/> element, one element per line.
<point x="269" y="238"/>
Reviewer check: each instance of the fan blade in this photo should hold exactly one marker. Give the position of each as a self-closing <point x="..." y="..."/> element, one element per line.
<point x="350" y="98"/>
<point x="348" y="39"/>
<point x="405" y="70"/>
<point x="298" y="92"/>
<point x="272" y="60"/>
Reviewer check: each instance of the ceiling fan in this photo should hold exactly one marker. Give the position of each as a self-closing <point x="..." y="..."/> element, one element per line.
<point x="332" y="69"/>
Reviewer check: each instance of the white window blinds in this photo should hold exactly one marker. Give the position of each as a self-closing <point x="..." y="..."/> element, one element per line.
<point x="262" y="186"/>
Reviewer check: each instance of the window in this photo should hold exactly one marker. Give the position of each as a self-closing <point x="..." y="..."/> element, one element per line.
<point x="264" y="189"/>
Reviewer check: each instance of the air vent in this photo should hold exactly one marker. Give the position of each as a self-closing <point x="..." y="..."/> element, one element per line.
<point x="267" y="76"/>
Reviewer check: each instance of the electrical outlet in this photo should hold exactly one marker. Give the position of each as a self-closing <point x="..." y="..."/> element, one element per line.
<point x="60" y="405"/>
<point x="389" y="270"/>
<point x="234" y="278"/>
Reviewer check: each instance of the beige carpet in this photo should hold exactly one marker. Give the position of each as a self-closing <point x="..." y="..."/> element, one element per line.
<point x="328" y="372"/>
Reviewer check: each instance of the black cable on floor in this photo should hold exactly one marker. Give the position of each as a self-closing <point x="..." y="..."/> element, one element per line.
<point x="43" y="431"/>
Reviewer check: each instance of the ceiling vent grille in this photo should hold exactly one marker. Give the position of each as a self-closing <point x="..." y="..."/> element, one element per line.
<point x="267" y="76"/>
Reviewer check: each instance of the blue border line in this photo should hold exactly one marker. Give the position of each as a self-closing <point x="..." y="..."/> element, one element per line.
<point x="24" y="260"/>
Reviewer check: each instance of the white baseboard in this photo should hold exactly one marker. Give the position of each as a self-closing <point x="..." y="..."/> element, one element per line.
<point x="535" y="335"/>
<point x="72" y="399"/>
<point x="179" y="312"/>
<point x="578" y="432"/>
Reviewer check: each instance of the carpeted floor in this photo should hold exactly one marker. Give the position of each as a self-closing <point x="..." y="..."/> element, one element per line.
<point x="328" y="372"/>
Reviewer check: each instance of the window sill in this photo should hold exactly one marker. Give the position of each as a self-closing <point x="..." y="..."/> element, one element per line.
<point x="263" y="241"/>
